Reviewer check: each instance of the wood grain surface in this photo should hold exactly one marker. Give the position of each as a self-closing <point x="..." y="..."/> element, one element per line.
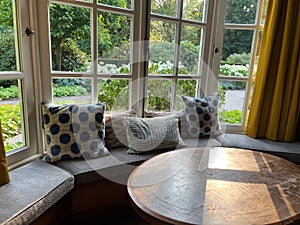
<point x="217" y="186"/>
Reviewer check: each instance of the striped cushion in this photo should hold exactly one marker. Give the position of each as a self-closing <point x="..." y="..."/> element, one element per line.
<point x="146" y="134"/>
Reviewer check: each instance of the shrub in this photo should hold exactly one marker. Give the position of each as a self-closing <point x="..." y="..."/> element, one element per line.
<point x="234" y="71"/>
<point x="240" y="59"/>
<point x="231" y="116"/>
<point x="9" y="92"/>
<point x="7" y="49"/>
<point x="114" y="93"/>
<point x="165" y="68"/>
<point x="63" y="91"/>
<point x="10" y="117"/>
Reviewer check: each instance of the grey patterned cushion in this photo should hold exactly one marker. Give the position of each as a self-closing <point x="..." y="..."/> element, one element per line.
<point x="73" y="131"/>
<point x="146" y="134"/>
<point x="202" y="116"/>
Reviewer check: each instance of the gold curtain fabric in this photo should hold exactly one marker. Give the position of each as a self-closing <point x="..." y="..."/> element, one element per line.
<point x="4" y="177"/>
<point x="275" y="106"/>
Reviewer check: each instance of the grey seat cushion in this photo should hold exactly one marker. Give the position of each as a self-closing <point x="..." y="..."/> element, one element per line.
<point x="289" y="151"/>
<point x="118" y="166"/>
<point x="33" y="188"/>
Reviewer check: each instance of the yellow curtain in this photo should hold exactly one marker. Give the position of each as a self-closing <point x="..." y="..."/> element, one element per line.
<point x="275" y="106"/>
<point x="4" y="178"/>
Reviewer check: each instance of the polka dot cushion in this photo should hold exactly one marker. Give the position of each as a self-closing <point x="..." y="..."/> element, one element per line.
<point x="73" y="131"/>
<point x="202" y="115"/>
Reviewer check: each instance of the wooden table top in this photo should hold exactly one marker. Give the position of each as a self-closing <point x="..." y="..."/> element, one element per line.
<point x="216" y="186"/>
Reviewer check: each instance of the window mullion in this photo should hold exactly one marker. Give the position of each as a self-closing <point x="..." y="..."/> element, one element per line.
<point x="139" y="59"/>
<point x="177" y="54"/>
<point x="94" y="39"/>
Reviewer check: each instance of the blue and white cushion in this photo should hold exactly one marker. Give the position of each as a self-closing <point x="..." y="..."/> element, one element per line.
<point x="202" y="115"/>
<point x="73" y="131"/>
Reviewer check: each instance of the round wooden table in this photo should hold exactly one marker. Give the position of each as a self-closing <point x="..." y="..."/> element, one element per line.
<point x="216" y="186"/>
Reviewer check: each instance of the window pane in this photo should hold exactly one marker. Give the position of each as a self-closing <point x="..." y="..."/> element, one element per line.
<point x="119" y="3"/>
<point x="113" y="43"/>
<point x="184" y="88"/>
<point x="159" y="95"/>
<point x="71" y="91"/>
<point x="241" y="12"/>
<point x="70" y="38"/>
<point x="162" y="47"/>
<point x="165" y="7"/>
<point x="11" y="114"/>
<point x="264" y="13"/>
<point x="115" y="93"/>
<point x="258" y="52"/>
<point x="8" y="39"/>
<point x="194" y="10"/>
<point x="236" y="53"/>
<point x="232" y="101"/>
<point x="190" y="49"/>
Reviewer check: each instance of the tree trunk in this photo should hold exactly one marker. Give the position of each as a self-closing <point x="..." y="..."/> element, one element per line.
<point x="58" y="54"/>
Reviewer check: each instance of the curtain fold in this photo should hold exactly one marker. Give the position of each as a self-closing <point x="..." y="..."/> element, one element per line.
<point x="4" y="177"/>
<point x="275" y="106"/>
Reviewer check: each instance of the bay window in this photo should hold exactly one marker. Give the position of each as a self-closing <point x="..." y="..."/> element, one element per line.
<point x="140" y="55"/>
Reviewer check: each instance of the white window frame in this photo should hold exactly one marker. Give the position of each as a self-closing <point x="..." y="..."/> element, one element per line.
<point x="24" y="13"/>
<point x="256" y="27"/>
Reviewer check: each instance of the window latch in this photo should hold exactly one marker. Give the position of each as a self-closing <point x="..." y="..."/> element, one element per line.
<point x="216" y="50"/>
<point x="29" y="32"/>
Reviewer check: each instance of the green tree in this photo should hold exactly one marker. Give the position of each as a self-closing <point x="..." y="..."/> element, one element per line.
<point x="7" y="39"/>
<point x="68" y="22"/>
<point x="6" y="18"/>
<point x="239" y="41"/>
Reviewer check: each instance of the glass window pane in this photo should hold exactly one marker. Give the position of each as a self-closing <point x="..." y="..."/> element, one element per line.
<point x="184" y="88"/>
<point x="113" y="43"/>
<point x="71" y="91"/>
<point x="164" y="7"/>
<point x="232" y="101"/>
<point x="190" y="49"/>
<point x="159" y="95"/>
<point x="118" y="3"/>
<point x="8" y="38"/>
<point x="115" y="93"/>
<point x="236" y="53"/>
<point x="258" y="52"/>
<point x="194" y="10"/>
<point x="162" y="47"/>
<point x="264" y="13"/>
<point x="70" y="38"/>
<point x="241" y="12"/>
<point x="11" y="114"/>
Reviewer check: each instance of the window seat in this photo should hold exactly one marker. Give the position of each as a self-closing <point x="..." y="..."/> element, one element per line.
<point x="32" y="190"/>
<point x="289" y="151"/>
<point x="97" y="187"/>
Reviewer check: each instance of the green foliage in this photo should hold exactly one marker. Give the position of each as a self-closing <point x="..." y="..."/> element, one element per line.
<point x="10" y="117"/>
<point x="7" y="49"/>
<point x="9" y="92"/>
<point x="63" y="91"/>
<point x="239" y="41"/>
<point x="11" y="146"/>
<point x="115" y="93"/>
<point x="68" y="22"/>
<point x="6" y="18"/>
<point x="159" y="93"/>
<point x="165" y="68"/>
<point x="231" y="116"/>
<point x="235" y="71"/>
<point x="73" y="59"/>
<point x="240" y="59"/>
